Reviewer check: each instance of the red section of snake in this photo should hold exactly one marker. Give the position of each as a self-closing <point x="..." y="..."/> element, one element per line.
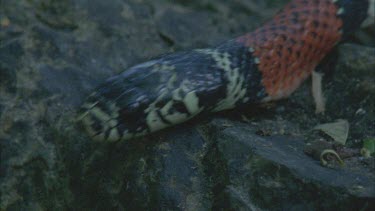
<point x="291" y="45"/>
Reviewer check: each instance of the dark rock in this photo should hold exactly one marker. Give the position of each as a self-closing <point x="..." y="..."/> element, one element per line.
<point x="274" y="173"/>
<point x="53" y="53"/>
<point x="10" y="54"/>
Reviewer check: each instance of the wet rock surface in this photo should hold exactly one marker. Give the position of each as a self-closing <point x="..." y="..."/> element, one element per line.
<point x="53" y="53"/>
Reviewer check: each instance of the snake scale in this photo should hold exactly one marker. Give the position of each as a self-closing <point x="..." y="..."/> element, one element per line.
<point x="264" y="65"/>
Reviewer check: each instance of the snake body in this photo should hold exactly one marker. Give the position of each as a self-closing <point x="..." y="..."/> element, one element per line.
<point x="264" y="65"/>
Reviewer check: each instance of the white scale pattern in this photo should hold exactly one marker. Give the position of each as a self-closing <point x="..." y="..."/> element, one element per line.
<point x="189" y="99"/>
<point x="236" y="87"/>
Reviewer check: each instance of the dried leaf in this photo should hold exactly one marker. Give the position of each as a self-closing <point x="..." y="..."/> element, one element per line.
<point x="325" y="152"/>
<point x="338" y="130"/>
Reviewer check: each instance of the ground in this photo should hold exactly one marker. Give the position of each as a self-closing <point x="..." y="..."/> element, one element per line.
<point x="53" y="53"/>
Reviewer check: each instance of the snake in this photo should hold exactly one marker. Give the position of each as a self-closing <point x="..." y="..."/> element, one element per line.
<point x="264" y="65"/>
